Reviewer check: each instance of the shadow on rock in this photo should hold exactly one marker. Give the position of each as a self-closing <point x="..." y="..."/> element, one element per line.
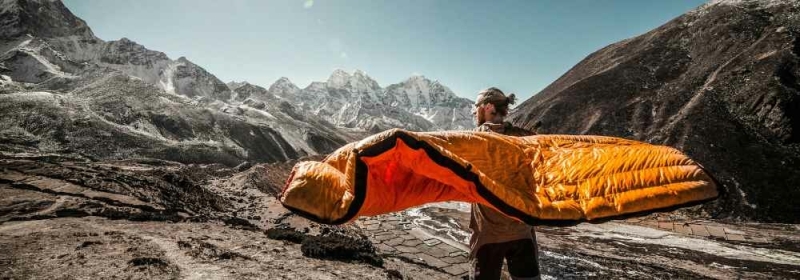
<point x="287" y="234"/>
<point x="333" y="243"/>
<point x="338" y="246"/>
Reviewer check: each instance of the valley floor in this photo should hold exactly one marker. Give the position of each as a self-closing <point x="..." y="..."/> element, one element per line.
<point x="64" y="218"/>
<point x="658" y="246"/>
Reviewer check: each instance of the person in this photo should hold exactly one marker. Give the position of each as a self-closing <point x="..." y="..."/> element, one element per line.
<point x="495" y="236"/>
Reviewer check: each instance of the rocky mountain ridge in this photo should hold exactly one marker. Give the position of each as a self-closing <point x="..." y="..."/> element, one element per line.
<point x="358" y="101"/>
<point x="720" y="83"/>
<point x="48" y="49"/>
<point x="64" y="89"/>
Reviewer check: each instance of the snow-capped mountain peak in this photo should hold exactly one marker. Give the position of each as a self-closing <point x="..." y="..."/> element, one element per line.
<point x="356" y="100"/>
<point x="359" y="81"/>
<point x="283" y="87"/>
<point x="422" y="92"/>
<point x="338" y="78"/>
<point x="417" y="77"/>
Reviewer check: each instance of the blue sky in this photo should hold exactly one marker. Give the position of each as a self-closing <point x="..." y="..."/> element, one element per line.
<point x="518" y="46"/>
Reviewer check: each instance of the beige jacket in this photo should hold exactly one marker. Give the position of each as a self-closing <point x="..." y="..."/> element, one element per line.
<point x="489" y="225"/>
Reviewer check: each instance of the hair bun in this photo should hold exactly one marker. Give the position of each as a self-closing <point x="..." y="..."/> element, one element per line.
<point x="511" y="99"/>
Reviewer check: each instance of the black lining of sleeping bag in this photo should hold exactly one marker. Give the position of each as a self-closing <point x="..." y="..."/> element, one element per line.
<point x="361" y="188"/>
<point x="466" y="174"/>
<point x="362" y="170"/>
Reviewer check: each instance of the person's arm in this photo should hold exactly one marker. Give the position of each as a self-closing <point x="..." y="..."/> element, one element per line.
<point x="517" y="131"/>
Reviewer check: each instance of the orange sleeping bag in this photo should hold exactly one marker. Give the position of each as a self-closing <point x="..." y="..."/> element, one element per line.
<point x="535" y="179"/>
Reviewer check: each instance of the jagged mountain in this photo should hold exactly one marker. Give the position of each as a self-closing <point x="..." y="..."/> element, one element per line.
<point x="179" y="76"/>
<point x="305" y="132"/>
<point x="51" y="28"/>
<point x="720" y="83"/>
<point x="357" y="101"/>
<point x="245" y="91"/>
<point x="432" y="101"/>
<point x="284" y="87"/>
<point x="45" y="18"/>
<point x="122" y="117"/>
<point x="46" y="49"/>
<point x="65" y="91"/>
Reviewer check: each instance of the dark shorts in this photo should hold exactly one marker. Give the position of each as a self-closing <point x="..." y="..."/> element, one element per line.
<point x="520" y="255"/>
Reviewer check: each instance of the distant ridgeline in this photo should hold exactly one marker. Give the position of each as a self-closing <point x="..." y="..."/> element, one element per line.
<point x="63" y="90"/>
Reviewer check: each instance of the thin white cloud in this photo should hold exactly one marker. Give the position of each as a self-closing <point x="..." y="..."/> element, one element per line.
<point x="343" y="55"/>
<point x="308" y="4"/>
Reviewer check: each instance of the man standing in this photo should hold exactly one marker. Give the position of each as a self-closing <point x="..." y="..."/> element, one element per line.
<point x="495" y="236"/>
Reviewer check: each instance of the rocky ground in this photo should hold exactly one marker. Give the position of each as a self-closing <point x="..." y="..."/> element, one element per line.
<point x="65" y="217"/>
<point x="68" y="217"/>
